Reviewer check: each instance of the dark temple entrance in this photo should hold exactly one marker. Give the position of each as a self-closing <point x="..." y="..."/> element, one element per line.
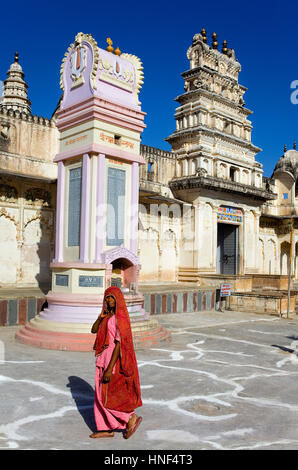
<point x="227" y="249"/>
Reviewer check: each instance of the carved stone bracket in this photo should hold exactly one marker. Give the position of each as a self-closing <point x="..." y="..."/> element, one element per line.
<point x="4" y="130"/>
<point x="35" y="195"/>
<point x="201" y="172"/>
<point x="8" y="193"/>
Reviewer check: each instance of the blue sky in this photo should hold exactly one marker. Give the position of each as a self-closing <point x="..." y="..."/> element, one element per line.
<point x="263" y="35"/>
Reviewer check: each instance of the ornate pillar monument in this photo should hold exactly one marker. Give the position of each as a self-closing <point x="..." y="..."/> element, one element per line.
<point x="100" y="121"/>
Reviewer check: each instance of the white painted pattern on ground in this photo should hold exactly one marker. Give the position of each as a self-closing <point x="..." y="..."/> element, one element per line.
<point x="48" y="387"/>
<point x="168" y="360"/>
<point x="235" y="393"/>
<point x="11" y="429"/>
<point x="269" y="333"/>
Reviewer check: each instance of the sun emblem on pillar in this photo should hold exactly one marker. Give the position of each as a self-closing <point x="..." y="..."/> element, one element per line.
<point x="78" y="65"/>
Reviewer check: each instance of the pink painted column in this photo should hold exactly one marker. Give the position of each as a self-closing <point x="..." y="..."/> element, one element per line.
<point x="85" y="210"/>
<point x="134" y="207"/>
<point x="60" y="211"/>
<point x="100" y="207"/>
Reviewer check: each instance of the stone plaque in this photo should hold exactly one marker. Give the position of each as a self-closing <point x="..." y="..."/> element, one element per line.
<point x="116" y="207"/>
<point x="61" y="280"/>
<point x="116" y="281"/>
<point x="74" y="206"/>
<point x="91" y="281"/>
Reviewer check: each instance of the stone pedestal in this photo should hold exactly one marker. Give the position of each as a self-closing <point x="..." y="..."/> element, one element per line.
<point x="66" y="324"/>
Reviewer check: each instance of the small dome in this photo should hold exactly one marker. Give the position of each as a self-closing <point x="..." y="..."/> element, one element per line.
<point x="288" y="163"/>
<point x="15" y="67"/>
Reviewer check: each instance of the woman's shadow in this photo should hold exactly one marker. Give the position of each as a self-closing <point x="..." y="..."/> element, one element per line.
<point x="83" y="395"/>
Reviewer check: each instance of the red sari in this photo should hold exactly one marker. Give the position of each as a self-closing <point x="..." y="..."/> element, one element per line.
<point x="122" y="393"/>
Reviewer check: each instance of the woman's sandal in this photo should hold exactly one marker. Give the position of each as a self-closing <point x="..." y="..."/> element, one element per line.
<point x="133" y="428"/>
<point x="101" y="434"/>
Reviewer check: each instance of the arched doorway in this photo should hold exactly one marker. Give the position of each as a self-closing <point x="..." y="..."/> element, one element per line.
<point x="270" y="257"/>
<point x="125" y="267"/>
<point x="124" y="274"/>
<point x="284" y="258"/>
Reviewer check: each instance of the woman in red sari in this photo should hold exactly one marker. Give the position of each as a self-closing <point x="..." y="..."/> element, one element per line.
<point x="117" y="386"/>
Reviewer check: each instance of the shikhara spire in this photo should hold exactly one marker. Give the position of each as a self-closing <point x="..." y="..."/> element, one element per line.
<point x="14" y="92"/>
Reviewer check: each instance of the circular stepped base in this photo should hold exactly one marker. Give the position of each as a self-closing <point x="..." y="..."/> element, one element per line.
<point x="146" y="334"/>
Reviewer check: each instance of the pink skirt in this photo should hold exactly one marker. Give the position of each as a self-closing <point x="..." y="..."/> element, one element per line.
<point x="106" y="419"/>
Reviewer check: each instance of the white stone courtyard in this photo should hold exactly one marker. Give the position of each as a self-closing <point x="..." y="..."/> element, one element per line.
<point x="227" y="381"/>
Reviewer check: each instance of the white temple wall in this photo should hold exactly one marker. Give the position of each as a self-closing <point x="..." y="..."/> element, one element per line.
<point x="204" y="225"/>
<point x="9" y="251"/>
<point x="159" y="238"/>
<point x="250" y="240"/>
<point x="36" y="253"/>
<point x="26" y="232"/>
<point x="149" y="255"/>
<point x="168" y="259"/>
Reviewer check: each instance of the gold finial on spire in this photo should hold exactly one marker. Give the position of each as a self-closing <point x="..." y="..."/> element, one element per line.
<point x="204" y="34"/>
<point x="117" y="51"/>
<point x="16" y="57"/>
<point x="214" y="41"/>
<point x="294" y="146"/>
<point x="110" y="42"/>
<point x="224" y="47"/>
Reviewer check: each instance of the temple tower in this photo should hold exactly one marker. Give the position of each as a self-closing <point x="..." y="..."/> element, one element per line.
<point x="213" y="132"/>
<point x="216" y="169"/>
<point x="15" y="89"/>
<point x="100" y="121"/>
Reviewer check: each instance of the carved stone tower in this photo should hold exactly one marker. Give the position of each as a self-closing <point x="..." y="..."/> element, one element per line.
<point x="213" y="132"/>
<point x="15" y="95"/>
<point x="216" y="169"/>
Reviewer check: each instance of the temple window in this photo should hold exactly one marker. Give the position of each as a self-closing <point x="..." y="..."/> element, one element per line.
<point x="192" y="165"/>
<point x="232" y="173"/>
<point x="222" y="171"/>
<point x="206" y="164"/>
<point x="150" y="171"/>
<point x="245" y="177"/>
